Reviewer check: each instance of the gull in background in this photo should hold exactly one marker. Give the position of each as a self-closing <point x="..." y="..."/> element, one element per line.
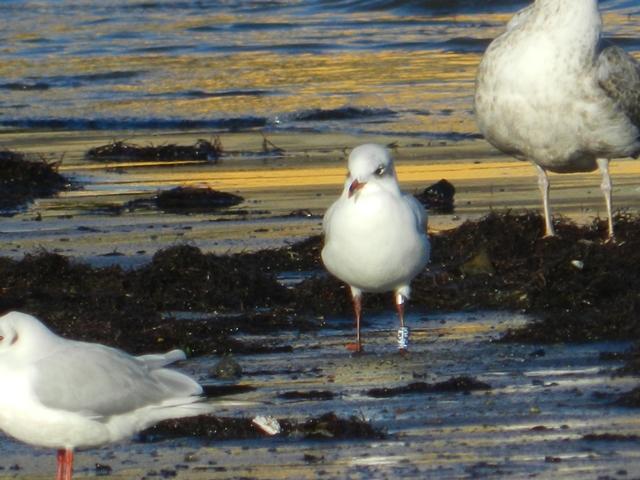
<point x="375" y="236"/>
<point x="66" y="394"/>
<point x="550" y="90"/>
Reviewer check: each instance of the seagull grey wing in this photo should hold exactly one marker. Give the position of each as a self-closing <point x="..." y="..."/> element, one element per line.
<point x="618" y="75"/>
<point x="520" y="17"/>
<point x="158" y="360"/>
<point x="99" y="381"/>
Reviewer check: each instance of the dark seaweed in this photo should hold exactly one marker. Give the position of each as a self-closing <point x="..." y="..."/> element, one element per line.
<point x="596" y="299"/>
<point x="22" y="180"/>
<point x="195" y="199"/>
<point x="213" y="391"/>
<point x="462" y="384"/>
<point x="439" y="197"/>
<point x="184" y="200"/>
<point x="209" y="427"/>
<point x="311" y="395"/>
<point x="610" y="437"/>
<point x="119" y="151"/>
<point x="123" y="308"/>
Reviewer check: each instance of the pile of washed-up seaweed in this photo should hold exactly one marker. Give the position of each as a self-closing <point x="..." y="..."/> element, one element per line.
<point x="580" y="287"/>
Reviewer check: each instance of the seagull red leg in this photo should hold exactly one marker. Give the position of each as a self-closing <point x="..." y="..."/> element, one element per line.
<point x="60" y="464"/>
<point x="357" y="310"/>
<point x="68" y="464"/>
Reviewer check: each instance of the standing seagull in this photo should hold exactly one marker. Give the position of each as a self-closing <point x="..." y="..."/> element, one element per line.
<point x="375" y="238"/>
<point x="65" y="394"/>
<point x="551" y="91"/>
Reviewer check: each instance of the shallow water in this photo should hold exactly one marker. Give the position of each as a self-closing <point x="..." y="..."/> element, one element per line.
<point x="391" y="66"/>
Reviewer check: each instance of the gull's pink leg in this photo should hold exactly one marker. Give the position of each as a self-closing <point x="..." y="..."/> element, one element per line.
<point x="60" y="464"/>
<point x="68" y="464"/>
<point x="357" y="310"/>
<point x="543" y="184"/>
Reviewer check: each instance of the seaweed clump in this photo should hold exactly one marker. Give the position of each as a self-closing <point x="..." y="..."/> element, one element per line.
<point x="438" y="197"/>
<point x="184" y="200"/>
<point x="461" y="384"/>
<point x="310" y="395"/>
<point x="123" y="307"/>
<point x="579" y="287"/>
<point x="120" y="151"/>
<point x="184" y="278"/>
<point x="195" y="199"/>
<point x="331" y="427"/>
<point x="22" y="180"/>
<point x="208" y="427"/>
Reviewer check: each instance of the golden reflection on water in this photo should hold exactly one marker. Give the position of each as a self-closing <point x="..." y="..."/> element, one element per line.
<point x="430" y="88"/>
<point x="400" y="80"/>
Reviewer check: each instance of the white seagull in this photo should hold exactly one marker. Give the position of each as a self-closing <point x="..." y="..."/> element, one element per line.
<point x="375" y="236"/>
<point x="66" y="394"/>
<point x="550" y="90"/>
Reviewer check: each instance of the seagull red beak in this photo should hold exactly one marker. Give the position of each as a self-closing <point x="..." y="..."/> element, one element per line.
<point x="355" y="186"/>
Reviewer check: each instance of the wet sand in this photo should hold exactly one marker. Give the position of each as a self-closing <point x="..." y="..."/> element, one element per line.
<point x="89" y="223"/>
<point x="548" y="412"/>
<point x="544" y="402"/>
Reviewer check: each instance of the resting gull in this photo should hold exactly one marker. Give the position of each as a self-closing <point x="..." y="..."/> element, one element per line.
<point x="550" y="90"/>
<point x="66" y="394"/>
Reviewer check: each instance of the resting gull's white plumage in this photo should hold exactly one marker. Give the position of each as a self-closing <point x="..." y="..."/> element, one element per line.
<point x="66" y="394"/>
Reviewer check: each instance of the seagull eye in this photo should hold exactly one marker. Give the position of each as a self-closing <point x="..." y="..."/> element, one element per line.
<point x="379" y="171"/>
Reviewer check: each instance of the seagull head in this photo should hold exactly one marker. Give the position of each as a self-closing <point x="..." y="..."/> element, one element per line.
<point x="371" y="166"/>
<point x="22" y="334"/>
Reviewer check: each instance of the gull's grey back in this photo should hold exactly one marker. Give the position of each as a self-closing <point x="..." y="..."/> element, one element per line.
<point x="100" y="381"/>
